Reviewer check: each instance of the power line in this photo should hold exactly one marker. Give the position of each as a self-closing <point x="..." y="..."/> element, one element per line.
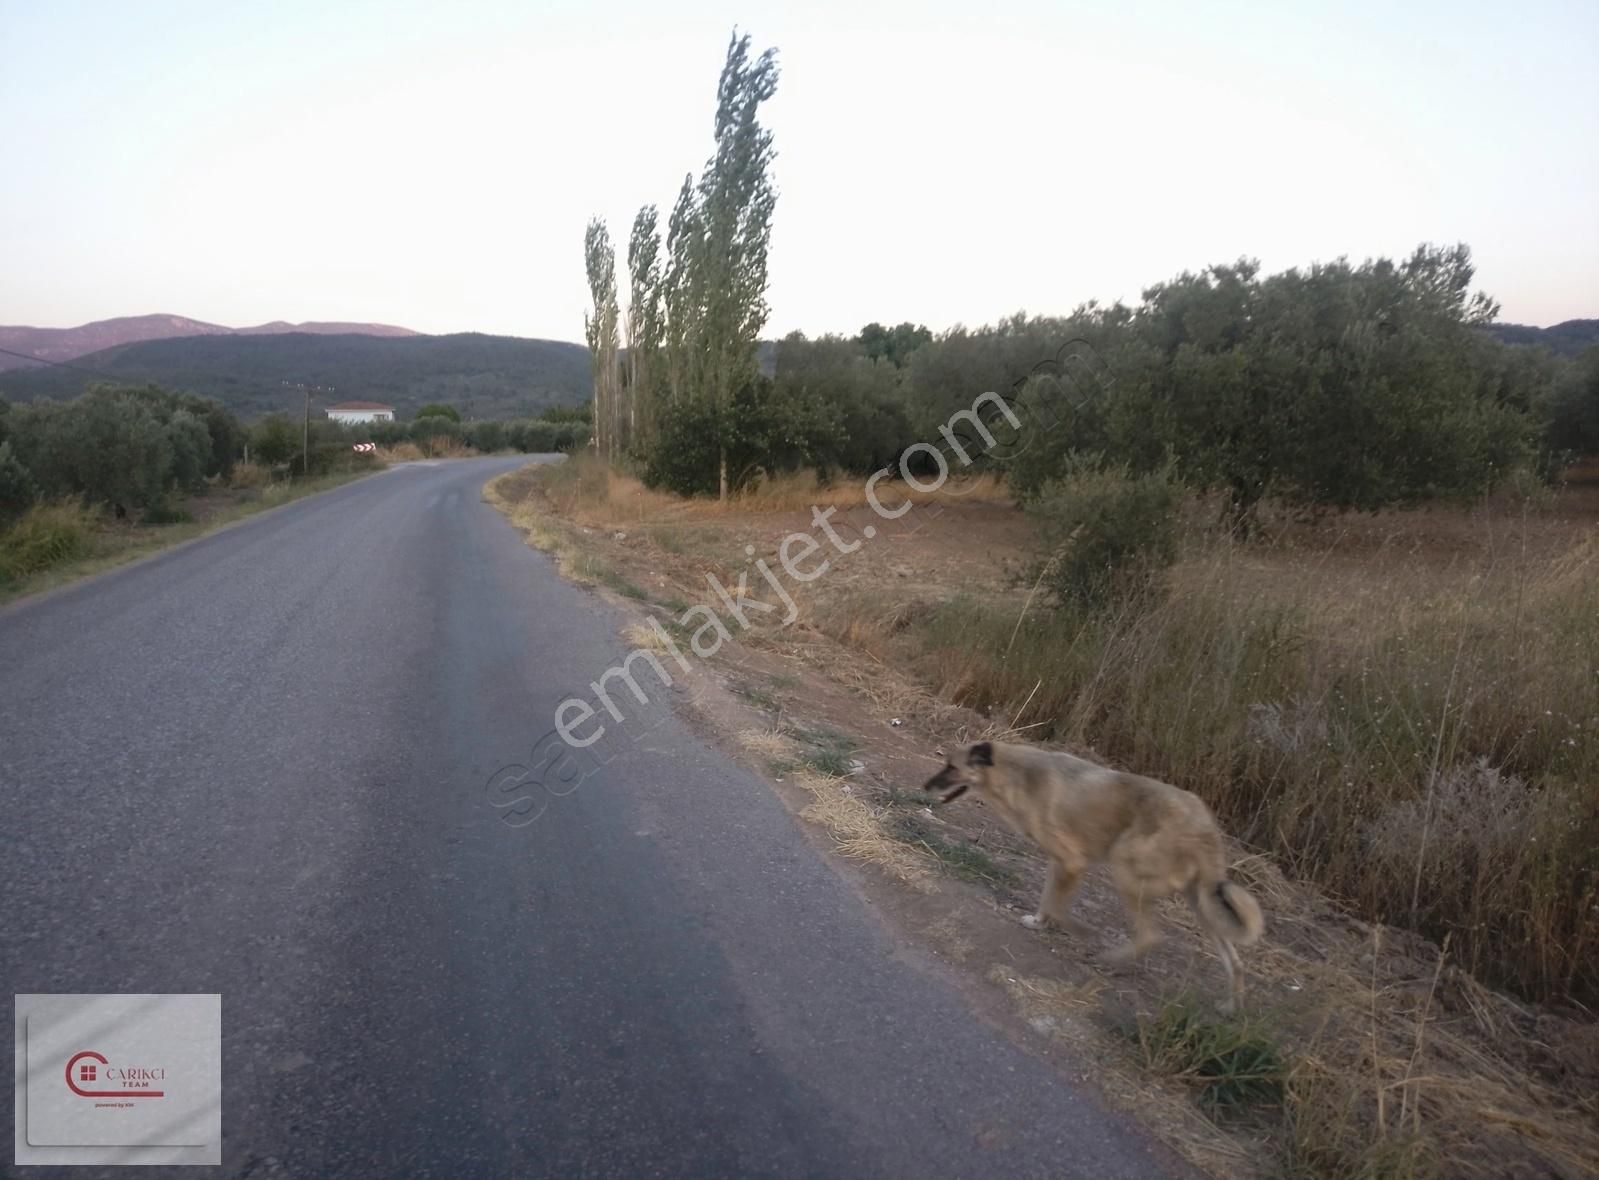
<point x="305" y="444"/>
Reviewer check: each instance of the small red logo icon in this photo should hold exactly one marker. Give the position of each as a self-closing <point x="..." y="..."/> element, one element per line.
<point x="90" y="1073"/>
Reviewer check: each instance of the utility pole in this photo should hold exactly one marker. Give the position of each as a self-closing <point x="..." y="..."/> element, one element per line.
<point x="305" y="437"/>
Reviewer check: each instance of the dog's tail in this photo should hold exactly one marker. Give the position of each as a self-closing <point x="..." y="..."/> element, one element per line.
<point x="1230" y="911"/>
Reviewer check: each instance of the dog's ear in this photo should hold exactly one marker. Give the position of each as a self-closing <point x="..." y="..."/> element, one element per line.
<point x="981" y="754"/>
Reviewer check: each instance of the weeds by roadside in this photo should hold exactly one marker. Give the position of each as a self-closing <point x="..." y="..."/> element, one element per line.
<point x="59" y="542"/>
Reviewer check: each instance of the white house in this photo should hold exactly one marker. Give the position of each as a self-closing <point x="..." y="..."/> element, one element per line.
<point x="361" y="412"/>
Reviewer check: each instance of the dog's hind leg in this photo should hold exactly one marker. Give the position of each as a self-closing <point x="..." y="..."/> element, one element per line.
<point x="1137" y="902"/>
<point x="1235" y="975"/>
<point x="1057" y="895"/>
<point x="1226" y="951"/>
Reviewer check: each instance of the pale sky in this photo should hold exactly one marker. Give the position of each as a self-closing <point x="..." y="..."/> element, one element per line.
<point x="433" y="165"/>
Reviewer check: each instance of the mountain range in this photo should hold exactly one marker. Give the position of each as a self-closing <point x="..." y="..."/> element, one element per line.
<point x="256" y="373"/>
<point x="65" y="344"/>
<point x="1564" y="339"/>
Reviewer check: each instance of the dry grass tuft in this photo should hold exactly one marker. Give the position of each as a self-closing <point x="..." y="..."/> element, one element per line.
<point x="588" y="491"/>
<point x="248" y="475"/>
<point x="1049" y="999"/>
<point x="405" y="452"/>
<point x="859" y="830"/>
<point x="444" y="447"/>
<point x="642" y="636"/>
<point x="768" y="744"/>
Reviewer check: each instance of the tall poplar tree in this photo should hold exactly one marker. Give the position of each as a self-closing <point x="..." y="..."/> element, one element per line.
<point x="736" y="198"/>
<point x="644" y="323"/>
<point x="601" y="331"/>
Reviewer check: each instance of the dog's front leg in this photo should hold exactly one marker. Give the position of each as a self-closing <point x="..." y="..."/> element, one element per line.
<point x="1057" y="895"/>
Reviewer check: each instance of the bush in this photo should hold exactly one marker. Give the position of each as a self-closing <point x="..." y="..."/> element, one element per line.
<point x="191" y="450"/>
<point x="1573" y="410"/>
<point x="1109" y="534"/>
<point x="47" y="535"/>
<point x="274" y="439"/>
<point x="438" y="410"/>
<point x="17" y="489"/>
<point x="486" y="436"/>
<point x="683" y="456"/>
<point x="107" y="447"/>
<point x="436" y="434"/>
<point x="164" y="513"/>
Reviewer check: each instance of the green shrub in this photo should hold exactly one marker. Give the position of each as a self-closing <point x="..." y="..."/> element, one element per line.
<point x="47" y="535"/>
<point x="438" y="410"/>
<point x="1234" y="1060"/>
<point x="1108" y="534"/>
<point x="274" y="439"/>
<point x="435" y="426"/>
<point x="17" y="489"/>
<point x="191" y="450"/>
<point x="683" y="458"/>
<point x="486" y="436"/>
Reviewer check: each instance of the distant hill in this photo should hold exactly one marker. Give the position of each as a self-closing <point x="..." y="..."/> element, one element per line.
<point x="1567" y="339"/>
<point x="482" y="376"/>
<point x="65" y="344"/>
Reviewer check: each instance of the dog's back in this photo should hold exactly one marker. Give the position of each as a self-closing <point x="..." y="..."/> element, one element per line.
<point x="1081" y="812"/>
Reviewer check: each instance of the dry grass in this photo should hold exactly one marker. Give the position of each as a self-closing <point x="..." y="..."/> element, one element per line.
<point x="1403" y="711"/>
<point x="770" y="745"/>
<point x="1393" y="1074"/>
<point x="248" y="475"/>
<point x="405" y="452"/>
<point x="586" y="490"/>
<point x="837" y="806"/>
<point x="444" y="447"/>
<point x="858" y="828"/>
<point x="1432" y="759"/>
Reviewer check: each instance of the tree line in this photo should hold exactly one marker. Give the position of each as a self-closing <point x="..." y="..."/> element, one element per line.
<point x="1336" y="385"/>
<point x="140" y="448"/>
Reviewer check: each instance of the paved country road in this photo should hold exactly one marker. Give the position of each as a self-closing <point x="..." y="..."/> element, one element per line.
<point x="255" y="765"/>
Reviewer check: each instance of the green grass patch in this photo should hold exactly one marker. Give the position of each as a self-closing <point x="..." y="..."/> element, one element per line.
<point x="961" y="857"/>
<point x="1236" y="1062"/>
<point x="825" y="749"/>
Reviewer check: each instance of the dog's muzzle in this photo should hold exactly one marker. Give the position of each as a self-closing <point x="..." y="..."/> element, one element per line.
<point x="946" y="791"/>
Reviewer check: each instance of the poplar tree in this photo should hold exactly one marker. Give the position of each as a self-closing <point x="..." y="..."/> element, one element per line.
<point x="736" y="198"/>
<point x="644" y="323"/>
<point x="600" y="329"/>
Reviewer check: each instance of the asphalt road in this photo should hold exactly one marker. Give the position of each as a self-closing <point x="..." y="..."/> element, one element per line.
<point x="256" y="765"/>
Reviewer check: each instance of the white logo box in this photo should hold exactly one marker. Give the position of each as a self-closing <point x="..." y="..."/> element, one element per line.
<point x="118" y="1079"/>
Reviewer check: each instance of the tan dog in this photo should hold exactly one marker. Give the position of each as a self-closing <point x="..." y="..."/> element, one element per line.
<point x="1157" y="839"/>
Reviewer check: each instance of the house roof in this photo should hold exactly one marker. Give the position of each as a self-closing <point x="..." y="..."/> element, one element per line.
<point x="360" y="406"/>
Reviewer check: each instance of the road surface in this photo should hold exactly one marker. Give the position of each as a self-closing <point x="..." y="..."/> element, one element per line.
<point x="256" y="765"/>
